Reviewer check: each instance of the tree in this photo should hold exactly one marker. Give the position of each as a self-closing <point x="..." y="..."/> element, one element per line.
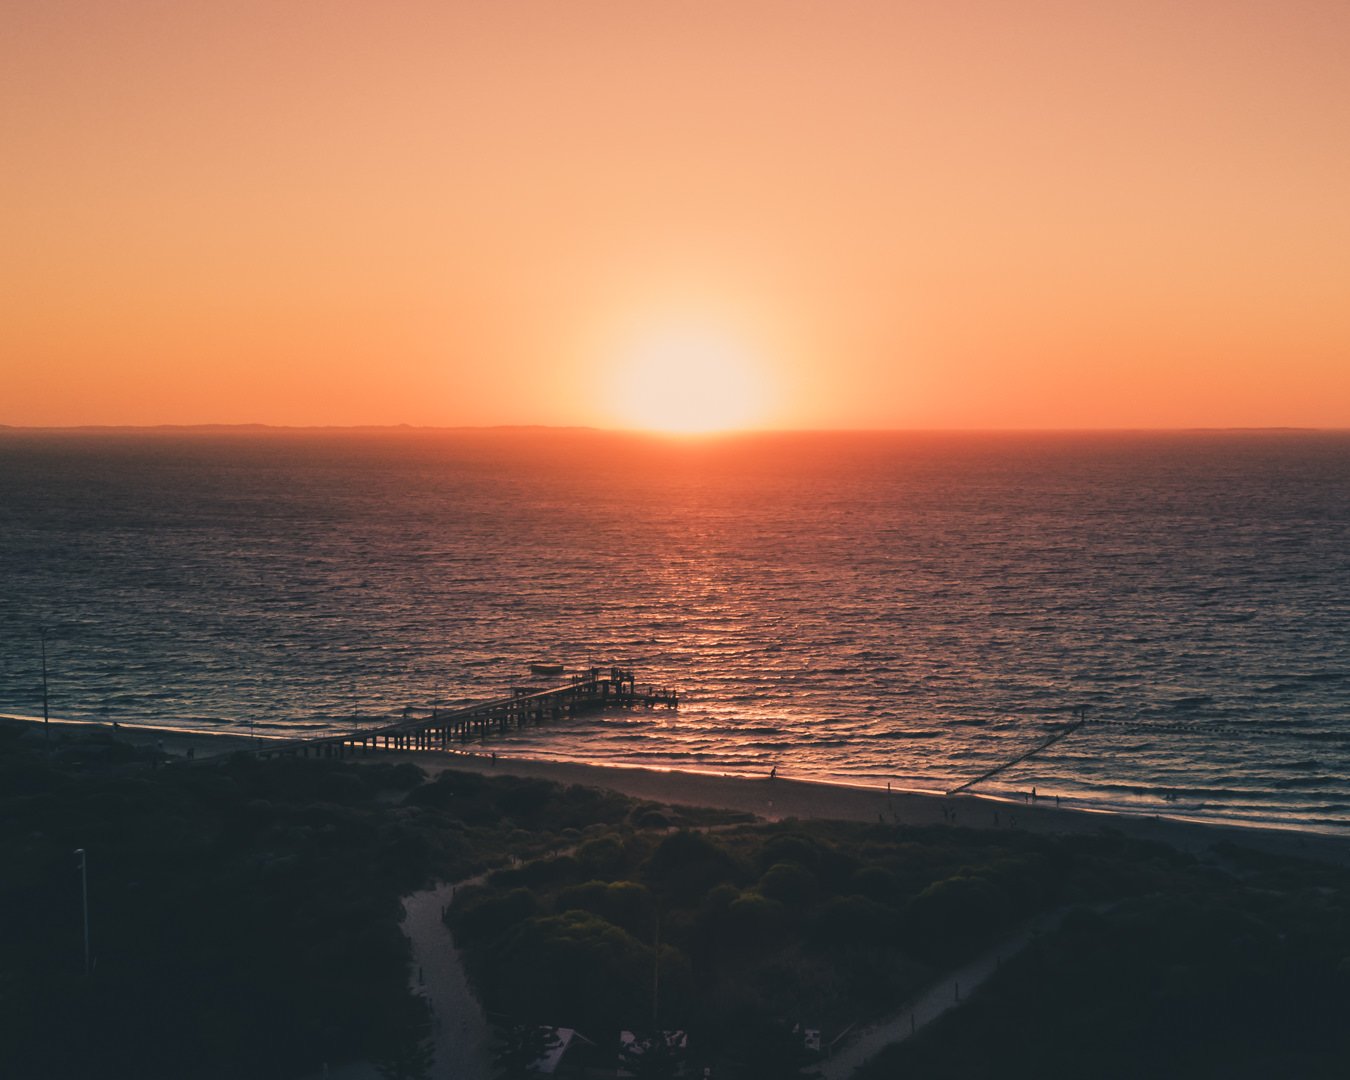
<point x="519" y="1048"/>
<point x="773" y="1051"/>
<point x="411" y="1060"/>
<point x="657" y="1056"/>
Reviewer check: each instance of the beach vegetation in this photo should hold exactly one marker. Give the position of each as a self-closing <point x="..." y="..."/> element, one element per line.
<point x="245" y="918"/>
<point x="840" y="922"/>
<point x="519" y="1048"/>
<point x="1233" y="971"/>
<point x="686" y="864"/>
<point x="244" y="914"/>
<point x="654" y="1055"/>
<point x="790" y="884"/>
<point x="627" y="904"/>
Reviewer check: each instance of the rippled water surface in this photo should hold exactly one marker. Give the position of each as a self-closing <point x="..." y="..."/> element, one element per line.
<point x="865" y="608"/>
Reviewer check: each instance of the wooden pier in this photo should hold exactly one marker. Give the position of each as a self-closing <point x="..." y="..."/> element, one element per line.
<point x="442" y="729"/>
<point x="1024" y="755"/>
<point x="1149" y="726"/>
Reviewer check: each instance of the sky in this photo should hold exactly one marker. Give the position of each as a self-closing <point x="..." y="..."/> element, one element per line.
<point x="690" y="215"/>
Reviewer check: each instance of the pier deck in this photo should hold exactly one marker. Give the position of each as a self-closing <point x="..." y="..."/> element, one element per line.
<point x="440" y="729"/>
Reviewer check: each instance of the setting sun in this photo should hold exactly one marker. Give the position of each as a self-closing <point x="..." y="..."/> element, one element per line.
<point x="689" y="381"/>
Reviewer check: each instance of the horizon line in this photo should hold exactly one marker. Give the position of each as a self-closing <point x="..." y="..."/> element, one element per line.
<point x="675" y="436"/>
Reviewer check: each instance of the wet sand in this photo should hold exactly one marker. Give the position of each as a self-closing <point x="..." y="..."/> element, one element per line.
<point x="783" y="797"/>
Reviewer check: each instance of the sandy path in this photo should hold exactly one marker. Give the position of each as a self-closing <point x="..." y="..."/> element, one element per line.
<point x="949" y="992"/>
<point x="460" y="1034"/>
<point x="461" y="1038"/>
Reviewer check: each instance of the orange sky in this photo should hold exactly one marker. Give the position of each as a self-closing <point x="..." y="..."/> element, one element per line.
<point x="881" y="214"/>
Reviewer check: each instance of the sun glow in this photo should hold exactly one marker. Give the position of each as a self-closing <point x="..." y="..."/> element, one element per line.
<point x="688" y="381"/>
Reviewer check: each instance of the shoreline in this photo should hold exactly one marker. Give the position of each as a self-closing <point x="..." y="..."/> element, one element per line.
<point x="783" y="797"/>
<point x="181" y="737"/>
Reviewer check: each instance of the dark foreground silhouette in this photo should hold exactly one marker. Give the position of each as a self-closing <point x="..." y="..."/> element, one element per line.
<point x="244" y="920"/>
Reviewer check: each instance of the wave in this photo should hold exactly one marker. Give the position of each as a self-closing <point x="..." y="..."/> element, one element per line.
<point x="913" y="607"/>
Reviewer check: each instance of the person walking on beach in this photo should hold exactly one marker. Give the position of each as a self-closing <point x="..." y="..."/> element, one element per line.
<point x="773" y="773"/>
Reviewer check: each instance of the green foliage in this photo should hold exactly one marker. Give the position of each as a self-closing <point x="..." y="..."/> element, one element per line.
<point x="876" y="883"/>
<point x="626" y="904"/>
<point x="1213" y="981"/>
<point x="846" y="922"/>
<point x="246" y="920"/>
<point x="465" y="796"/>
<point x="789" y="884"/>
<point x="245" y="914"/>
<point x="790" y="848"/>
<point x="685" y="865"/>
<point x="290" y="904"/>
<point x="578" y="970"/>
<point x="938" y="921"/>
<point x="754" y="921"/>
<point x="518" y="1049"/>
<point x="602" y="857"/>
<point x="831" y="922"/>
<point x="524" y="799"/>
<point x="764" y="1047"/>
<point x="654" y="1056"/>
<point x="412" y="1059"/>
<point x="649" y="816"/>
<point x="479" y="915"/>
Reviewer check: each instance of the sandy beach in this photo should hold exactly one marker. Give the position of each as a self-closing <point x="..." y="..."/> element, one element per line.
<point x="783" y="797"/>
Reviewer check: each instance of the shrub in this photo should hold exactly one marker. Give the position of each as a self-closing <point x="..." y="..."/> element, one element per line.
<point x="626" y="904"/>
<point x="789" y="884"/>
<point x="686" y="865"/>
<point x="487" y="917"/>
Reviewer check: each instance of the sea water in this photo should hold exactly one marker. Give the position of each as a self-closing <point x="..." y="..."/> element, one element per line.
<point x="860" y="608"/>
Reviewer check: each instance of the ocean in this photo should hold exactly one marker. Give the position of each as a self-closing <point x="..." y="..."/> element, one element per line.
<point x="859" y="608"/>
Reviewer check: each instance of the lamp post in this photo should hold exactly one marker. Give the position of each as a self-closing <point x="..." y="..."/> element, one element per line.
<point x="656" y="977"/>
<point x="46" y="722"/>
<point x="84" y="890"/>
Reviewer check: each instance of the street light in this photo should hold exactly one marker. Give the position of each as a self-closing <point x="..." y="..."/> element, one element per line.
<point x="46" y="722"/>
<point x="84" y="889"/>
